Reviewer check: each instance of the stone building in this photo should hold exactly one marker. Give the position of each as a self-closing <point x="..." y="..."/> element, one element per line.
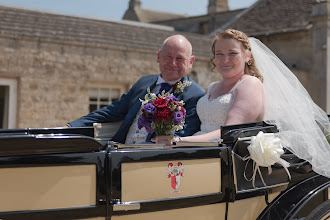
<point x="55" y="68"/>
<point x="297" y="31"/>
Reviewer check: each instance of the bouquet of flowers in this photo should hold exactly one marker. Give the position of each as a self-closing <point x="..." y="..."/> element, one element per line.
<point x="162" y="114"/>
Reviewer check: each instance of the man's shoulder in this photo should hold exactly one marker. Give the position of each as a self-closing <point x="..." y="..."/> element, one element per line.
<point x="146" y="79"/>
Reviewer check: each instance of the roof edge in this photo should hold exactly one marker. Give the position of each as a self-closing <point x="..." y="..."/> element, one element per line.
<point x="198" y="16"/>
<point x="133" y="23"/>
<point x="233" y="19"/>
<point x="285" y="31"/>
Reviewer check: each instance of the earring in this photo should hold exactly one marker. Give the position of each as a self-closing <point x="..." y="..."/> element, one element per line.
<point x="249" y="62"/>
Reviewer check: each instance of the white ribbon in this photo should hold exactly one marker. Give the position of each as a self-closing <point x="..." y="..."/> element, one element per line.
<point x="265" y="150"/>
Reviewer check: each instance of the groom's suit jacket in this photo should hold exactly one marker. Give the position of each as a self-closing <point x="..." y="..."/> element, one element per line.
<point x="127" y="107"/>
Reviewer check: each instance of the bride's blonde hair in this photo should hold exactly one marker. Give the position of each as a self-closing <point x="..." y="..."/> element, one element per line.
<point x="250" y="67"/>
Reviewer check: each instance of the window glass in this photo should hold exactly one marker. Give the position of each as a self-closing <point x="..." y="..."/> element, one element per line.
<point x="102" y="97"/>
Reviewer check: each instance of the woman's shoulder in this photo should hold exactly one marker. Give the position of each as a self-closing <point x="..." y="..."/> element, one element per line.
<point x="250" y="80"/>
<point x="249" y="83"/>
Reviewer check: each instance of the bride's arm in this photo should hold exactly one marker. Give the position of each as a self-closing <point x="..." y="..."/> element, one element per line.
<point x="202" y="138"/>
<point x="247" y="107"/>
<point x="248" y="104"/>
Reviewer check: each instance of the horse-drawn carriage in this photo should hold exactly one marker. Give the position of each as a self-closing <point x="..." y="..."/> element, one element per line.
<point x="75" y="173"/>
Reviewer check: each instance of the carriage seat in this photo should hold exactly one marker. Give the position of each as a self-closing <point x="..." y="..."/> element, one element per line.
<point x="103" y="132"/>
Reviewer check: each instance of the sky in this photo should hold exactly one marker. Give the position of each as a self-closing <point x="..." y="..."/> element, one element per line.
<point x="115" y="9"/>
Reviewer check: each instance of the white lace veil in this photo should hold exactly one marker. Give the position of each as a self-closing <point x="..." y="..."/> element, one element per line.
<point x="288" y="105"/>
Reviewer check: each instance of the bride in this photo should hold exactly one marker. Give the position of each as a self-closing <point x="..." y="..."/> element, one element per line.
<point x="258" y="86"/>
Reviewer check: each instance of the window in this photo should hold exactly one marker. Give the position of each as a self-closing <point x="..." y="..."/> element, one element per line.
<point x="104" y="96"/>
<point x="8" y="90"/>
<point x="204" y="28"/>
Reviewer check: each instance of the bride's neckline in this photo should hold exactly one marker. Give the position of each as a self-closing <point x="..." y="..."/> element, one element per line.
<point x="229" y="92"/>
<point x="208" y="98"/>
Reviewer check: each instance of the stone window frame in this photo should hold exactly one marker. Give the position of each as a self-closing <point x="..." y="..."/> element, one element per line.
<point x="101" y="99"/>
<point x="11" y="102"/>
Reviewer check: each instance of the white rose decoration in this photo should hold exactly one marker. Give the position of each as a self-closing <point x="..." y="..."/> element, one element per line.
<point x="266" y="150"/>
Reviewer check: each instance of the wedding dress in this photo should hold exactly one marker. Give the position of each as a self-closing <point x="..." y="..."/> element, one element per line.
<point x="213" y="113"/>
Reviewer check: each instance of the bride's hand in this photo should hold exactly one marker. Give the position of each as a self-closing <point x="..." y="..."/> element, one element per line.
<point x="165" y="140"/>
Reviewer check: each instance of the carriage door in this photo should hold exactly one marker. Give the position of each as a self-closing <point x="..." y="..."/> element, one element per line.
<point x="152" y="182"/>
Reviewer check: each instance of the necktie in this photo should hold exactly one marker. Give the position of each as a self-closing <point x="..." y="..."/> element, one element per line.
<point x="164" y="86"/>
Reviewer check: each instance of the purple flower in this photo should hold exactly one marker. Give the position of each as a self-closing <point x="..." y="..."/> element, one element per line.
<point x="149" y="108"/>
<point x="141" y="121"/>
<point x="178" y="116"/>
<point x="146" y="123"/>
<point x="171" y="96"/>
<point x="149" y="129"/>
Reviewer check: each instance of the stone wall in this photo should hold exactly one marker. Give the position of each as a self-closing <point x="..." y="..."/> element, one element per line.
<point x="304" y="54"/>
<point x="296" y="51"/>
<point x="321" y="51"/>
<point x="53" y="77"/>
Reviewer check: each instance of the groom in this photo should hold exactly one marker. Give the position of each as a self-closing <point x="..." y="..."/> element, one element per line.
<point x="175" y="59"/>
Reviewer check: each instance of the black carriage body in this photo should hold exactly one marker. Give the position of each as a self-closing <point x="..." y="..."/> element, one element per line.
<point x="65" y="173"/>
